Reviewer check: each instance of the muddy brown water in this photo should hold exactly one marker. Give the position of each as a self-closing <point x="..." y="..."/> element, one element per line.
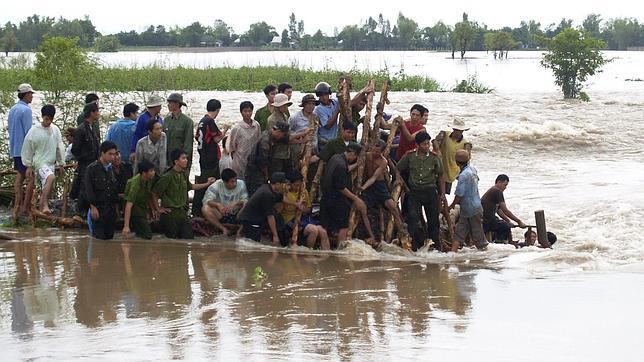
<point x="66" y="296"/>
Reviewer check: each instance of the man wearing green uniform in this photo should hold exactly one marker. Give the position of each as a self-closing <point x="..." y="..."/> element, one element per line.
<point x="262" y="114"/>
<point x="173" y="189"/>
<point x="137" y="201"/>
<point x="427" y="190"/>
<point x="178" y="127"/>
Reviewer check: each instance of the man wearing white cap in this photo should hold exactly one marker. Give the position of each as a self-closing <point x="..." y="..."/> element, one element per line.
<point x="20" y="121"/>
<point x="448" y="145"/>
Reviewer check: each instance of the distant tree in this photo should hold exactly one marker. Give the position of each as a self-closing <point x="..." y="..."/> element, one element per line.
<point x="499" y="42"/>
<point x="259" y="34"/>
<point x="191" y="34"/>
<point x="8" y="41"/>
<point x="284" y="43"/>
<point x="592" y="24"/>
<point x="107" y="44"/>
<point x="222" y="32"/>
<point x="83" y="30"/>
<point x="624" y="32"/>
<point x="60" y="64"/>
<point x="573" y="56"/>
<point x="463" y="36"/>
<point x="352" y="37"/>
<point x="31" y="32"/>
<point x="407" y="29"/>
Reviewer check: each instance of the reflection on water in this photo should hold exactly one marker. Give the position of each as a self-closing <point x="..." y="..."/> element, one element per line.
<point x="182" y="301"/>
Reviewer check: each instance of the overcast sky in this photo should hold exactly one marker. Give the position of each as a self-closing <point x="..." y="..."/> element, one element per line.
<point x="112" y="16"/>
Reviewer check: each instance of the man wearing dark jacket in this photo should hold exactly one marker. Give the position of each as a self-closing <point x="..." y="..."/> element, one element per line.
<point x="100" y="191"/>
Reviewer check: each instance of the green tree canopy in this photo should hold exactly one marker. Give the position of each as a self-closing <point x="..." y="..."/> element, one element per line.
<point x="573" y="56"/>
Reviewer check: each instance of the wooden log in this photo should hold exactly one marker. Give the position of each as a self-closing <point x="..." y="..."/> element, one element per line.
<point x="450" y="228"/>
<point x="380" y="110"/>
<point x="315" y="184"/>
<point x="542" y="234"/>
<point x="392" y="134"/>
<point x="361" y="159"/>
<point x="344" y="97"/>
<point x="308" y="149"/>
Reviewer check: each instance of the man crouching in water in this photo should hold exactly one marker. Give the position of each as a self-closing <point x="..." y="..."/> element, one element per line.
<point x="260" y="209"/>
<point x="467" y="195"/>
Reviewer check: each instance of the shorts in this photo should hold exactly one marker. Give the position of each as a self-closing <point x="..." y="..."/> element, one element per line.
<point x="229" y="219"/>
<point x="252" y="231"/>
<point x="18" y="165"/>
<point x="377" y="193"/>
<point x="336" y="210"/>
<point x="44" y="172"/>
<point x="305" y="221"/>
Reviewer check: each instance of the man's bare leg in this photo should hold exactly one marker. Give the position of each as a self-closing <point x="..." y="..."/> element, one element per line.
<point x="213" y="216"/>
<point x="46" y="193"/>
<point x="324" y="238"/>
<point x="311" y="233"/>
<point x="18" y="192"/>
<point x="26" y="202"/>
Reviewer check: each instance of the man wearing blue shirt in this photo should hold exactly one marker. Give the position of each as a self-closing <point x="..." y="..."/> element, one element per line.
<point x="327" y="111"/>
<point x="122" y="131"/>
<point x="20" y="120"/>
<point x="467" y="195"/>
<point x="152" y="110"/>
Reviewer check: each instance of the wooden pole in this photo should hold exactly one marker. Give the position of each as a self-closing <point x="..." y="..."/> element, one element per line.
<point x="361" y="159"/>
<point x="308" y="148"/>
<point x="344" y="97"/>
<point x="315" y="184"/>
<point x="542" y="235"/>
<point x="380" y="110"/>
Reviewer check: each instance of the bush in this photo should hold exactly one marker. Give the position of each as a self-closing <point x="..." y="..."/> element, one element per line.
<point x="471" y="85"/>
<point x="107" y="44"/>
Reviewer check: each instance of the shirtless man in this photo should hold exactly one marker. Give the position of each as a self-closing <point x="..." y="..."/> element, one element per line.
<point x="375" y="188"/>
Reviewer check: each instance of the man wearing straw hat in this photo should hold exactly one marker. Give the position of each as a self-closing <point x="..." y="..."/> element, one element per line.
<point x="448" y="144"/>
<point x="152" y="110"/>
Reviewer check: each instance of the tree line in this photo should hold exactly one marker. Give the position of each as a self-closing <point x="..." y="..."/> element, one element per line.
<point x="374" y="34"/>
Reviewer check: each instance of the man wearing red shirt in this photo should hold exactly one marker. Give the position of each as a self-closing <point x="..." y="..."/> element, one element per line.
<point x="409" y="131"/>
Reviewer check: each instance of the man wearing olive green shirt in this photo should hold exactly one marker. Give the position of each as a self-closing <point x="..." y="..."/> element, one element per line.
<point x="137" y="205"/>
<point x="178" y="128"/>
<point x="427" y="190"/>
<point x="173" y="189"/>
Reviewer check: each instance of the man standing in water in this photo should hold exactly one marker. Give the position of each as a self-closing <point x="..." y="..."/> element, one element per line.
<point x="19" y="122"/>
<point x="467" y="195"/>
<point x="137" y="201"/>
<point x="100" y="192"/>
<point x="173" y="189"/>
<point x="259" y="212"/>
<point x="427" y="190"/>
<point x="243" y="139"/>
<point x="493" y="203"/>
<point x="448" y="145"/>
<point x="409" y="129"/>
<point x="42" y="150"/>
<point x="336" y="196"/>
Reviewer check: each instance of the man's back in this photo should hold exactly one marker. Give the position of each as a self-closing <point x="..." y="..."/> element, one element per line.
<point x="19" y="121"/>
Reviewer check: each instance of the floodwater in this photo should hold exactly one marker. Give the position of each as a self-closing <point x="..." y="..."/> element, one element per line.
<point x="65" y="296"/>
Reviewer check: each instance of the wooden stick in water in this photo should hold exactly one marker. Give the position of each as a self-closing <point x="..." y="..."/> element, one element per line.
<point x="308" y="148"/>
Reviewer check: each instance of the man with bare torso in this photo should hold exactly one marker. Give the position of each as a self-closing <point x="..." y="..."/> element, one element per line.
<point x="375" y="188"/>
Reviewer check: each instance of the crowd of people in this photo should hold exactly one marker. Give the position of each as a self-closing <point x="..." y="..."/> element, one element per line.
<point x="251" y="175"/>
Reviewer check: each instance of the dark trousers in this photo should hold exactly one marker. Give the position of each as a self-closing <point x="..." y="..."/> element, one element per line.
<point x="252" y="231"/>
<point x="427" y="199"/>
<point x="500" y="229"/>
<point x="197" y="200"/>
<point x="141" y="226"/>
<point x="177" y="225"/>
<point x="104" y="226"/>
<point x="77" y="182"/>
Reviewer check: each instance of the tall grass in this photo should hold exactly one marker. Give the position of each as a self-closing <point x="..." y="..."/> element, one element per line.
<point x="156" y="78"/>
